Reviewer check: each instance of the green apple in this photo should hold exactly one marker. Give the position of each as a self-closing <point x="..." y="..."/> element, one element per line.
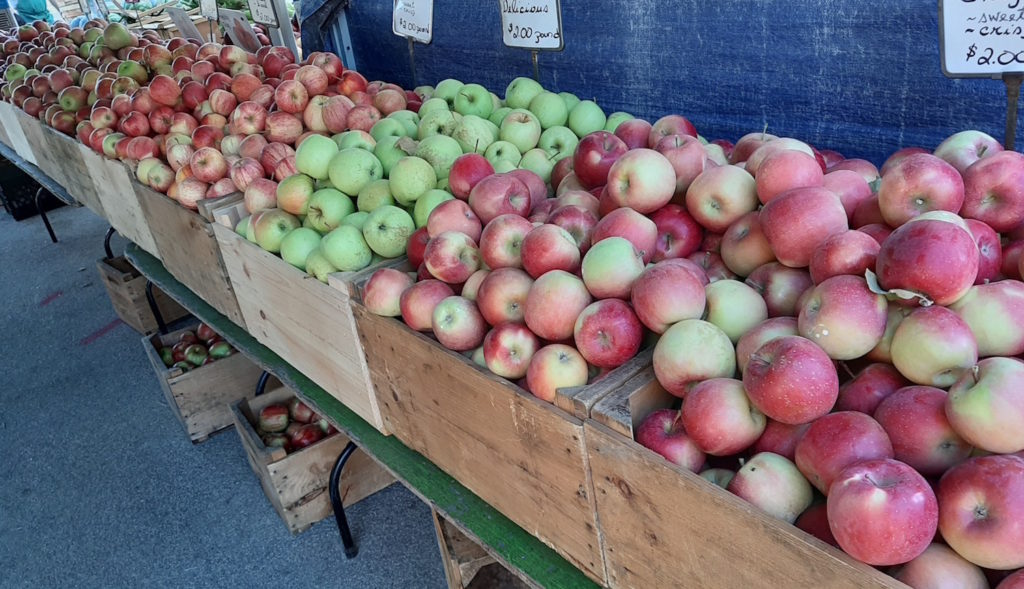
<point x="521" y="91"/>
<point x="442" y="184"/>
<point x="387" y="128"/>
<point x="353" y="168"/>
<point x="374" y="195"/>
<point x="433" y="105"/>
<point x="410" y="178"/>
<point x="346" y="249"/>
<point x="250" y="229"/>
<point x="586" y="117"/>
<point x="242" y="227"/>
<point x="503" y="151"/>
<point x="15" y="72"/>
<point x="496" y="102"/>
<point x="473" y="134"/>
<point x="391" y="149"/>
<point x="550" y="109"/>
<point x="440" y="151"/>
<point x="426" y="203"/>
<point x="559" y="142"/>
<point x="297" y="245"/>
<point x="437" y="122"/>
<point x="494" y="128"/>
<point x="326" y="208"/>
<point x="356" y="219"/>
<point x="474" y="99"/>
<point x="569" y="99"/>
<point x="387" y="231"/>
<point x="503" y="166"/>
<point x="308" y="224"/>
<point x="521" y="128"/>
<point x="408" y="118"/>
<point x="499" y="115"/>
<point x="321" y="184"/>
<point x="615" y="119"/>
<point x="358" y="139"/>
<point x="314" y="155"/>
<point x="424" y="92"/>
<point x="318" y="266"/>
<point x="448" y="90"/>
<point x="272" y="227"/>
<point x="539" y="162"/>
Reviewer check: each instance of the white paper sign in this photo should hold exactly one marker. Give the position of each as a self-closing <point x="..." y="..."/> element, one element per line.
<point x="414" y="19"/>
<point x="208" y="8"/>
<point x="981" y="38"/>
<point x="532" y="24"/>
<point x="263" y="12"/>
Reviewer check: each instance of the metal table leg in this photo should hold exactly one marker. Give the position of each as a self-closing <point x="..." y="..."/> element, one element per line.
<point x="42" y="213"/>
<point x="351" y="550"/>
<point x="149" y="299"/>
<point x="106" y="243"/>
<point x="261" y="384"/>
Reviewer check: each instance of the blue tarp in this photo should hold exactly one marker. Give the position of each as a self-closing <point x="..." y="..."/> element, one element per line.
<point x="859" y="76"/>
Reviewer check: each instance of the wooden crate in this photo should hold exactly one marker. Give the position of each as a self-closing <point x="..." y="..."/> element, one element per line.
<point x="189" y="250"/>
<point x="664" y="526"/>
<point x="306" y="322"/>
<point x="467" y="564"/>
<point x="119" y="195"/>
<point x="95" y="163"/>
<point x="201" y="398"/>
<point x="33" y="130"/>
<point x="72" y="172"/>
<point x="127" y="290"/>
<point x="5" y="138"/>
<point x="11" y="116"/>
<point x="297" y="484"/>
<point x="522" y="455"/>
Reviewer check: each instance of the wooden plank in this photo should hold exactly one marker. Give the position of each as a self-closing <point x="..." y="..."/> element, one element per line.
<point x="116" y="188"/>
<point x="522" y="455"/>
<point x="308" y="323"/>
<point x="579" y="401"/>
<point x="35" y="143"/>
<point x="75" y="175"/>
<point x="95" y="163"/>
<point x="5" y="138"/>
<point x="9" y="116"/>
<point x="623" y="409"/>
<point x="189" y="250"/>
<point x="127" y="291"/>
<point x="461" y="558"/>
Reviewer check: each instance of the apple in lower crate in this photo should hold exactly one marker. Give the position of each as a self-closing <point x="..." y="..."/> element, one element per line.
<point x="458" y="324"/>
<point x="273" y="418"/>
<point x="553" y="304"/>
<point x="196" y="354"/>
<point x="167" y="356"/>
<point x="221" y="349"/>
<point x="508" y="349"/>
<point x="692" y="351"/>
<point x="666" y="293"/>
<point x="774" y="485"/>
<point x="417" y="303"/>
<point x="610" y="268"/>
<point x="300" y="412"/>
<point x="204" y="332"/>
<point x="183" y="365"/>
<point x="641" y="179"/>
<point x="662" y="431"/>
<point x="306" y="435"/>
<point x="940" y="566"/>
<point x="836" y="441"/>
<point x="791" y="380"/>
<point x="986" y="405"/>
<point x="933" y="346"/>
<point x="553" y="367"/>
<point x="383" y="291"/>
<point x="608" y="333"/>
<point x="717" y="415"/>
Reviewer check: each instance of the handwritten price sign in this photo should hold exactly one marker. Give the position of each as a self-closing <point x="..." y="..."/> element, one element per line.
<point x="414" y="19"/>
<point x="981" y="38"/>
<point x="532" y="24"/>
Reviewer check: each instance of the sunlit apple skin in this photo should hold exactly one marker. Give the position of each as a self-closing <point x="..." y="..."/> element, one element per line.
<point x="553" y="367"/>
<point x="508" y="349"/>
<point x="792" y="380"/>
<point x="554" y="302"/>
<point x="936" y="259"/>
<point x="915" y="419"/>
<point x="986" y="405"/>
<point x="918" y="184"/>
<point x="692" y="351"/>
<point x="995" y="314"/>
<point x="773" y="484"/>
<point x="933" y="346"/>
<point x="940" y="567"/>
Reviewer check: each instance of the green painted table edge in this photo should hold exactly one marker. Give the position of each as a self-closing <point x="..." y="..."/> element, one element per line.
<point x="513" y="544"/>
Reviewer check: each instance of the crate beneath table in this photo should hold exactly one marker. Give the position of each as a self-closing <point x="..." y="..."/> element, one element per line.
<point x="126" y="288"/>
<point x="467" y="564"/>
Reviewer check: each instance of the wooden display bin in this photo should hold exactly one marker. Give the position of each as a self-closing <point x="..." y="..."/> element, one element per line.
<point x="127" y="290"/>
<point x="524" y="456"/>
<point x="664" y="526"/>
<point x="201" y="398"/>
<point x="32" y="128"/>
<point x="306" y="322"/>
<point x="296" y="484"/>
<point x="69" y="168"/>
<point x="467" y="564"/>
<point x="188" y="249"/>
<point x="10" y="117"/>
<point x="116" y="188"/>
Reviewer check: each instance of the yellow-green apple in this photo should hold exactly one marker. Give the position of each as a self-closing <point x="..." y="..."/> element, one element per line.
<point x="850" y="187"/>
<point x="418" y="301"/>
<point x="388" y="128"/>
<point x="662" y="431"/>
<point x="520" y="91"/>
<point x="594" y="157"/>
<point x="410" y="178"/>
<point x="297" y="245"/>
<point x="473" y="99"/>
<point x="383" y="291"/>
<point x="501" y="296"/>
<point x="797" y="221"/>
<point x="373" y="195"/>
<point x="313" y="157"/>
<point x="356" y="139"/>
<point x="882" y="512"/>
<point x="610" y="267"/>
<point x="942" y="568"/>
<point x="981" y="505"/>
<point x="559" y="142"/>
<point x="744" y="246"/>
<point x="440" y="151"/>
<point x="921" y="435"/>
<point x="508" y="350"/>
<point x="850" y="252"/>
<point x="933" y="346"/>
<point x="899" y="155"/>
<point x="773" y="484"/>
<point x="387" y="230"/>
<point x="718" y="416"/>
<point x="346" y="249"/>
<point x="501" y="241"/>
<point x="457" y="324"/>
<point x="718" y="197"/>
<point x="537" y="161"/>
<point x="990" y="251"/>
<point x="521" y="128"/>
<point x="471" y="287"/>
<point x="994" y="190"/>
<point x="499" y="194"/>
<point x="554" y="302"/>
<point x="426" y="204"/>
<point x="679" y="234"/>
<point x="760" y="334"/>
<point x="791" y="380"/>
<point x="780" y="438"/>
<point x="634" y="133"/>
<point x="931" y="258"/>
<point x="883" y="351"/>
<point x="293" y="194"/>
<point x="642" y="179"/>
<point x="208" y="165"/>
<point x="361" y="117"/>
<point x="781" y="287"/>
<point x="352" y="169"/>
<point x="668" y="126"/>
<point x="785" y="170"/>
<point x="474" y="134"/>
<point x="837" y="440"/>
<point x="454" y="215"/>
<point x="748" y="144"/>
<point x="630" y="225"/>
<point x="869" y="387"/>
<point x="844" y="317"/>
<point x="607" y="333"/>
<point x="586" y="117"/>
<point x="553" y="367"/>
<point x="272" y="227"/>
<point x="549" y="247"/>
<point x="436" y="122"/>
<point x="759" y="155"/>
<point x="964" y="148"/>
<point x="452" y="257"/>
<point x="691" y="351"/>
<point x="549" y="108"/>
<point x="986" y="405"/>
<point x="466" y="171"/>
<point x="995" y="312"/>
<point x="734" y="307"/>
<point x="918" y="184"/>
<point x="866" y="169"/>
<point x="666" y="293"/>
<point x="326" y="209"/>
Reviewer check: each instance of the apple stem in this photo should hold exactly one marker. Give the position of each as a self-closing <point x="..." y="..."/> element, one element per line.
<point x="846" y="368"/>
<point x="764" y="131"/>
<point x="975" y="371"/>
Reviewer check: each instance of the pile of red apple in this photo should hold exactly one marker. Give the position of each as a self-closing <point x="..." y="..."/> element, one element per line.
<point x="196" y="348"/>
<point x="292" y="426"/>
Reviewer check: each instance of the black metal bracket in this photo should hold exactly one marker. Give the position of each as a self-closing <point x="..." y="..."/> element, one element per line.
<point x="42" y="213"/>
<point x="106" y="243"/>
<point x="149" y="298"/>
<point x="351" y="550"/>
<point x="261" y="384"/>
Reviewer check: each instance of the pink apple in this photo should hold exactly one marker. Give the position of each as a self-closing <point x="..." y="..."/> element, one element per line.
<point x="595" y="155"/>
<point x="457" y="324"/>
<point x="844" y="317"/>
<point x="190" y="192"/>
<point x="932" y="258"/>
<point x="452" y="257"/>
<point x="748" y="144"/>
<point x="744" y="246"/>
<point x="774" y="485"/>
<point x="499" y="194"/>
<point x="900" y="155"/>
<point x="712" y="265"/>
<point x="994" y="190"/>
<point x="718" y="197"/>
<point x="691" y="351"/>
<point x="1014" y="581"/>
<point x="965" y="148"/>
<point x="986" y="405"/>
<point x="249" y="118"/>
<point x="554" y="302"/>
<point x="252" y="147"/>
<point x="642" y="179"/>
<point x="688" y="158"/>
<point x="549" y="247"/>
<point x="208" y="165"/>
<point x="662" y="431"/>
<point x="838" y="440"/>
<point x="718" y="416"/>
<point x="471" y="287"/>
<point x="553" y="367"/>
<point x="508" y="350"/>
<point x="872" y="385"/>
<point x="995" y="314"/>
<point x="866" y="169"/>
<point x="466" y="172"/>
<point x="780" y="438"/>
<point x="990" y="251"/>
<point x="501" y="241"/>
<point x="607" y="333"/>
<point x="814" y="521"/>
<point x="1011" y="266"/>
<point x="260" y="194"/>
<point x="850" y="187"/>
<point x="282" y="127"/>
<point x="939" y="567"/>
<point x="207" y="136"/>
<point x="867" y="212"/>
<point x="679" y="234"/>
<point x="882" y="512"/>
<point x="847" y="253"/>
<point x="244" y="171"/>
<point x="610" y="267"/>
<point x="578" y="221"/>
<point x="291" y="96"/>
<point x="753" y="163"/>
<point x="362" y="117"/>
<point x="668" y="126"/>
<point x="785" y="170"/>
<point x="383" y="291"/>
<point x="634" y="133"/>
<point x="666" y="293"/>
<point x="876" y="231"/>
<point x="761" y="334"/>
<point x="454" y="215"/>
<point x="933" y="346"/>
<point x="918" y="184"/>
<point x="418" y="301"/>
<point x="630" y="225"/>
<point x="335" y="113"/>
<point x="502" y="294"/>
<point x="914" y="418"/>
<point x="791" y="380"/>
<point x="781" y="287"/>
<point x="797" y="221"/>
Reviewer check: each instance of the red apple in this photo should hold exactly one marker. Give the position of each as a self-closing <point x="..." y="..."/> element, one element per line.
<point x="499" y="194"/>
<point x="666" y="293"/>
<point x="785" y="170"/>
<point x="457" y="324"/>
<point x="578" y="221"/>
<point x="688" y="158"/>
<point x="781" y="287"/>
<point x="668" y="126"/>
<point x="452" y="257"/>
<point x="549" y="247"/>
<point x="939" y="567"/>
<point x="844" y="317"/>
<point x="594" y="157"/>
<point x="932" y="258"/>
<point x="553" y="304"/>
<point x="850" y="187"/>
<point x="994" y="190"/>
<point x="918" y="184"/>
<point x="791" y="380"/>
<point x="780" y="438"/>
<point x="208" y="165"/>
<point x="417" y="303"/>
<point x="454" y="215"/>
<point x="872" y="385"/>
<point x="502" y="294"/>
<point x="508" y="350"/>
<point x="838" y="440"/>
<point x="608" y="333"/>
<point x="634" y="133"/>
<point x="466" y="172"/>
<point x="642" y="179"/>
<point x="915" y="420"/>
<point x="797" y="221"/>
<point x="553" y="367"/>
<point x="679" y="234"/>
<point x="662" y="431"/>
<point x="900" y="155"/>
<point x="744" y="246"/>
<point x="718" y="197"/>
<point x="718" y="416"/>
<point x="502" y="239"/>
<point x="847" y="253"/>
<point x="990" y="251"/>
